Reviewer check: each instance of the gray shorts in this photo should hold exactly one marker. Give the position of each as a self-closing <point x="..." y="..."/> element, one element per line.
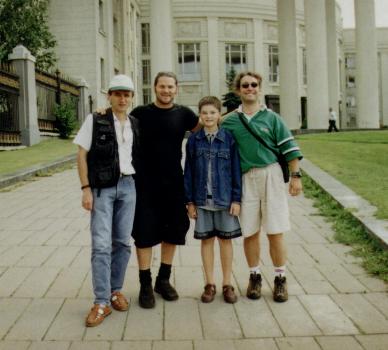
<point x="216" y="223"/>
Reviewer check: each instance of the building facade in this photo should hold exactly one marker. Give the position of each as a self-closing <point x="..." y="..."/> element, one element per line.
<point x="297" y="45"/>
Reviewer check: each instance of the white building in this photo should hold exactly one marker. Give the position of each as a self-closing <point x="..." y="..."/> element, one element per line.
<point x="297" y="45"/>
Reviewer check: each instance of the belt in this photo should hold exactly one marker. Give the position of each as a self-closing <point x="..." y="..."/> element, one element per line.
<point x="124" y="175"/>
<point x="209" y="196"/>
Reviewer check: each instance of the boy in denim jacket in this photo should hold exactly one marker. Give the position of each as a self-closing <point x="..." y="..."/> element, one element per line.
<point x="213" y="194"/>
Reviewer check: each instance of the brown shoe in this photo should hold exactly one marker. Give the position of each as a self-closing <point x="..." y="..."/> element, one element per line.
<point x="229" y="295"/>
<point x="209" y="293"/>
<point x="119" y="302"/>
<point x="97" y="314"/>
<point x="254" y="286"/>
<point x="280" y="293"/>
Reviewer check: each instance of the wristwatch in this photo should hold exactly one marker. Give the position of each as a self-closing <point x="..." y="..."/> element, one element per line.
<point x="296" y="174"/>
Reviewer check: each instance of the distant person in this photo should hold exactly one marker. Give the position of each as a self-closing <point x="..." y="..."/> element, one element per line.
<point x="332" y="120"/>
<point x="264" y="205"/>
<point x="161" y="216"/>
<point x="213" y="194"/>
<point x="107" y="155"/>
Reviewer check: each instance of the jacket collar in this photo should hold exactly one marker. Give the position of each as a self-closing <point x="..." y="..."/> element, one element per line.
<point x="220" y="134"/>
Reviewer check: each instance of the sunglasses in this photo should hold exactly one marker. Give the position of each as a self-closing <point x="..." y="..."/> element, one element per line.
<point x="246" y="85"/>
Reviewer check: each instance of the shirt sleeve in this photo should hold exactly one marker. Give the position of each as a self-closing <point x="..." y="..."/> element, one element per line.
<point x="191" y="120"/>
<point x="285" y="141"/>
<point x="85" y="134"/>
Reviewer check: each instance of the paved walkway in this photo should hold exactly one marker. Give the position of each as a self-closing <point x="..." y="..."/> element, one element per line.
<point x="45" y="287"/>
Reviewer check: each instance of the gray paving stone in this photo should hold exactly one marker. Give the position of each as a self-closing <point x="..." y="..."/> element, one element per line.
<point x="311" y="235"/>
<point x="132" y="345"/>
<point x="173" y="345"/>
<point x="321" y="254"/>
<point x="336" y="342"/>
<point x="190" y="256"/>
<point x="63" y="236"/>
<point x="355" y="269"/>
<point x="293" y="318"/>
<point x="62" y="257"/>
<point x="297" y="255"/>
<point x="362" y="313"/>
<point x="311" y="280"/>
<point x="300" y="343"/>
<point x="10" y="310"/>
<point x="181" y="320"/>
<point x="214" y="345"/>
<point x="219" y="320"/>
<point x="374" y="342"/>
<point x="14" y="345"/>
<point x="81" y="238"/>
<point x="36" y="319"/>
<point x="86" y="290"/>
<point x="256" y="319"/>
<point x="50" y="345"/>
<point x="82" y="260"/>
<point x="189" y="281"/>
<point x="344" y="253"/>
<point x="255" y="344"/>
<point x="69" y="323"/>
<point x="327" y="315"/>
<point x="38" y="238"/>
<point x="373" y="283"/>
<point x="36" y="256"/>
<point x="15" y="237"/>
<point x="144" y="324"/>
<point x="342" y="280"/>
<point x="380" y="301"/>
<point x="10" y="256"/>
<point x="12" y="279"/>
<point x="37" y="282"/>
<point x="91" y="345"/>
<point x="68" y="283"/>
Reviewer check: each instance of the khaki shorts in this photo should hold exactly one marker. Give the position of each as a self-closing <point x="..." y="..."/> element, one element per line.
<point x="264" y="201"/>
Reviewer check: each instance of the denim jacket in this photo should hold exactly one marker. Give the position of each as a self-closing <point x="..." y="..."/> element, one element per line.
<point x="226" y="171"/>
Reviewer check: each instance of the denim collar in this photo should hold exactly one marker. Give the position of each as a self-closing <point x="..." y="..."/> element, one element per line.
<point x="220" y="135"/>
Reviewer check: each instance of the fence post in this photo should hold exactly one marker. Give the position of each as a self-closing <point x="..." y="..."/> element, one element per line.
<point x="24" y="64"/>
<point x="83" y="99"/>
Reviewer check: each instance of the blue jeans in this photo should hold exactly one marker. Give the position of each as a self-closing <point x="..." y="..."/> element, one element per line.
<point x="111" y="227"/>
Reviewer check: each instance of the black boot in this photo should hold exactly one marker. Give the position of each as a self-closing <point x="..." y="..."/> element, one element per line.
<point x="162" y="284"/>
<point x="146" y="294"/>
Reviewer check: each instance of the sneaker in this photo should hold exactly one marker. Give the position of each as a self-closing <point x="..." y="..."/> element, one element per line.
<point x="280" y="293"/>
<point x="146" y="296"/>
<point x="97" y="315"/>
<point x="254" y="286"/>
<point x="229" y="295"/>
<point x="208" y="293"/>
<point x="119" y="302"/>
<point x="165" y="289"/>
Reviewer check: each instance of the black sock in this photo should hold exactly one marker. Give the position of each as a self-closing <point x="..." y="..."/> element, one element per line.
<point x="164" y="271"/>
<point x="145" y="277"/>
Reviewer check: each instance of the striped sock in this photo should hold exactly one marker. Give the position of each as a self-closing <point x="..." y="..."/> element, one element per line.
<point x="280" y="271"/>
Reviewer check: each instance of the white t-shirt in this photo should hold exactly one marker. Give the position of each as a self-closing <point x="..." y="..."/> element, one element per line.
<point x="332" y="116"/>
<point x="124" y="137"/>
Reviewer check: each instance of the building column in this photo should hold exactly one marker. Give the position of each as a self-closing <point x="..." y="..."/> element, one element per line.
<point x="213" y="59"/>
<point x="24" y="64"/>
<point x="258" y="45"/>
<point x="288" y="63"/>
<point x="384" y="88"/>
<point x="317" y="65"/>
<point x="332" y="56"/>
<point x="367" y="93"/>
<point x="83" y="103"/>
<point x="161" y="36"/>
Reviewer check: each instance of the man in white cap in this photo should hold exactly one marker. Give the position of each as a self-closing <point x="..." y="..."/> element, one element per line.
<point x="107" y="156"/>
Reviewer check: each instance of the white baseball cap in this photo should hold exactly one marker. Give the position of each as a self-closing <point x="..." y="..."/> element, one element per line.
<point x="121" y="82"/>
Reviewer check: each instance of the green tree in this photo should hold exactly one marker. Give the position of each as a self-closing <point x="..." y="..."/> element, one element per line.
<point x="66" y="118"/>
<point x="231" y="99"/>
<point x="25" y="22"/>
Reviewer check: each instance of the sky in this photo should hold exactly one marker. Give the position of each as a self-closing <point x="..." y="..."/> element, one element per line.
<point x="381" y="9"/>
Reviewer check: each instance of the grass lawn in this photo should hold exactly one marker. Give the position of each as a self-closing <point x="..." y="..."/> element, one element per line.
<point x="42" y="153"/>
<point x="358" y="159"/>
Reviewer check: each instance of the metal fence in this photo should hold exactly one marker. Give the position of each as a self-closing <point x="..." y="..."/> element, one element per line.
<point x="9" y="115"/>
<point x="51" y="89"/>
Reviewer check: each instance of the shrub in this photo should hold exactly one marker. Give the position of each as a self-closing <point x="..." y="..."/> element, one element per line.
<point x="66" y="118"/>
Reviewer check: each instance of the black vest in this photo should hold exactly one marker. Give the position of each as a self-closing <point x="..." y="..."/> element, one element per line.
<point x="103" y="156"/>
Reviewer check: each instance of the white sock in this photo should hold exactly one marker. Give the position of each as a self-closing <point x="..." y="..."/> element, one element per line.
<point x="255" y="269"/>
<point x="280" y="270"/>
